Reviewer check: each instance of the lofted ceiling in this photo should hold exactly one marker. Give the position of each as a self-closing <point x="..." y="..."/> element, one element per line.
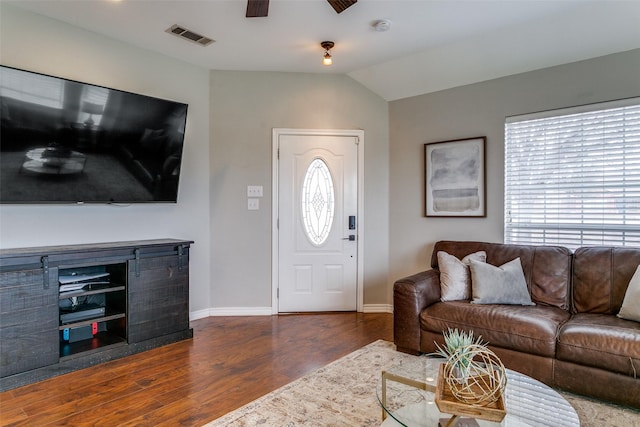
<point x="431" y="45"/>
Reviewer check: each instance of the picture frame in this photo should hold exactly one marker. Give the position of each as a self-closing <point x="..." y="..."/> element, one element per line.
<point x="455" y="178"/>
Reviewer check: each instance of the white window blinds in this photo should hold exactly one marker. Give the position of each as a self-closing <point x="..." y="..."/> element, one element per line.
<point x="572" y="177"/>
<point x="34" y="88"/>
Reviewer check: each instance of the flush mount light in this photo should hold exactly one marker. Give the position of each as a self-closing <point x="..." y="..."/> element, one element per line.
<point x="327" y="46"/>
<point x="381" y="25"/>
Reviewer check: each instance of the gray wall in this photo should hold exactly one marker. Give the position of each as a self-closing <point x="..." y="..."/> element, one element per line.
<point x="245" y="106"/>
<point x="480" y="110"/>
<point x="36" y="43"/>
<point x="227" y="147"/>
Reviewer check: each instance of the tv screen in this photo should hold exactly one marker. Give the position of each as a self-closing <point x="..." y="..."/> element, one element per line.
<point x="64" y="141"/>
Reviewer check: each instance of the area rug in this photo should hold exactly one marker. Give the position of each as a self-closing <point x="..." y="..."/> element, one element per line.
<point x="343" y="393"/>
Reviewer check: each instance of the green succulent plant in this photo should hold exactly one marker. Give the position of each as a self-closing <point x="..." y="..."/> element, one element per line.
<point x="458" y="342"/>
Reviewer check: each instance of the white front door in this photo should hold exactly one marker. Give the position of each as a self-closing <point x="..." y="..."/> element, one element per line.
<point x="317" y="221"/>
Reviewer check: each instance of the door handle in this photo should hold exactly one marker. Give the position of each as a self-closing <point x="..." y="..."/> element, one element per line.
<point x="351" y="237"/>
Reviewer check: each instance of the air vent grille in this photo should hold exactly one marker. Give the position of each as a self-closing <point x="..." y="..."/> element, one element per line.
<point x="189" y="35"/>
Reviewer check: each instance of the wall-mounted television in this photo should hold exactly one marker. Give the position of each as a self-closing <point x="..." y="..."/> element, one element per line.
<point x="64" y="141"/>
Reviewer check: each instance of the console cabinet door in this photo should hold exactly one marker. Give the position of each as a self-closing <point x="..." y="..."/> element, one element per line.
<point x="29" y="336"/>
<point x="158" y="297"/>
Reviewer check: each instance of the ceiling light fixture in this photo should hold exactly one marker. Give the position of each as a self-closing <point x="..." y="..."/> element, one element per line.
<point x="327" y="46"/>
<point x="382" y="25"/>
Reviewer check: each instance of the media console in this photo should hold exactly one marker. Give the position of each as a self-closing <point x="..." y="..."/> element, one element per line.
<point x="64" y="308"/>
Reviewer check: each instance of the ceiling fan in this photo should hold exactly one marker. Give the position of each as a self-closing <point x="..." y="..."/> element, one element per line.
<point x="260" y="8"/>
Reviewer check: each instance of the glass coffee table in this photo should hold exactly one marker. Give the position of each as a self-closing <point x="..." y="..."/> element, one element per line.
<point x="54" y="161"/>
<point x="406" y="393"/>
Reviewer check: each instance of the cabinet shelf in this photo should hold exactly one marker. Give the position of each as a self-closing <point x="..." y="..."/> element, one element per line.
<point x="93" y="313"/>
<point x="88" y="322"/>
<point x="81" y="293"/>
<point x="84" y="347"/>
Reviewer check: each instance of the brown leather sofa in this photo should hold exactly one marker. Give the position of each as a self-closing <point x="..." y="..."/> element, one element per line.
<point x="571" y="339"/>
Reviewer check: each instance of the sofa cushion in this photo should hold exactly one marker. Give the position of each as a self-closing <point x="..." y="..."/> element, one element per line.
<point x="455" y="278"/>
<point x="630" y="309"/>
<point x="499" y="285"/>
<point x="530" y="329"/>
<point x="601" y="341"/>
<point x="547" y="269"/>
<point x="601" y="276"/>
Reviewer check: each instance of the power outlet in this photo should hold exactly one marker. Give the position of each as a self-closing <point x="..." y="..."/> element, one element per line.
<point x="254" y="190"/>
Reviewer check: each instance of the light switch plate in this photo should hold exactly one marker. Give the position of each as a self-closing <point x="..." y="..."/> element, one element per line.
<point x="254" y="190"/>
<point x="253" y="204"/>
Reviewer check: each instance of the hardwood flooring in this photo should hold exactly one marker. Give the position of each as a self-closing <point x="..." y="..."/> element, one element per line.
<point x="229" y="362"/>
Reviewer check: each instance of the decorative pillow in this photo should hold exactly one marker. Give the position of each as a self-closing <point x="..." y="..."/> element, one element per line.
<point x="630" y="309"/>
<point x="455" y="280"/>
<point x="499" y="285"/>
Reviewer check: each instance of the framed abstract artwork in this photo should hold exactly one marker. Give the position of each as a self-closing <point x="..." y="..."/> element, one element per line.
<point x="455" y="178"/>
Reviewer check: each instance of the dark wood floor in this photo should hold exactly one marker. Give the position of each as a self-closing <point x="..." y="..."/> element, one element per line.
<point x="229" y="362"/>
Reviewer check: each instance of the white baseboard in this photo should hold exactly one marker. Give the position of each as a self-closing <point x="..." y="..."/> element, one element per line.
<point x="377" y="308"/>
<point x="230" y="311"/>
<point x="266" y="311"/>
<point x="200" y="314"/>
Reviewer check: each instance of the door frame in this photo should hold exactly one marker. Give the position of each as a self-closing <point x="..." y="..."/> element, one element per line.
<point x="275" y="235"/>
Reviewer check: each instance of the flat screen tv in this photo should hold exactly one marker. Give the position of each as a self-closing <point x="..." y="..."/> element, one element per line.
<point x="64" y="141"/>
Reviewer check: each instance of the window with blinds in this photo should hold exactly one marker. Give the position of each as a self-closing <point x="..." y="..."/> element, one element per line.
<point x="34" y="88"/>
<point x="572" y="177"/>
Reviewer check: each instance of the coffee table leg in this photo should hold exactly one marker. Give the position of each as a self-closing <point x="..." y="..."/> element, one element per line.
<point x="384" y="395"/>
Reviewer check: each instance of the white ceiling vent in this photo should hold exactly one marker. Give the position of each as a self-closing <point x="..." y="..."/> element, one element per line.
<point x="182" y="32"/>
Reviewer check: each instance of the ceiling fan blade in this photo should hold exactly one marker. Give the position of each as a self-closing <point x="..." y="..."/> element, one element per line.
<point x="257" y="8"/>
<point x="341" y="5"/>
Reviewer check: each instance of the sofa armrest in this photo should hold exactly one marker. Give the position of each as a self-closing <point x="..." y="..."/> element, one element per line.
<point x="411" y="295"/>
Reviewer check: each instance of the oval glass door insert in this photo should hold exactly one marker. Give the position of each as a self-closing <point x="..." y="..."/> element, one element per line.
<point x="318" y="202"/>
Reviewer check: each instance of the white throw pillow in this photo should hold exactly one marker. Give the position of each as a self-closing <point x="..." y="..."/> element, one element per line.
<point x="455" y="280"/>
<point x="630" y="309"/>
<point x="499" y="285"/>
